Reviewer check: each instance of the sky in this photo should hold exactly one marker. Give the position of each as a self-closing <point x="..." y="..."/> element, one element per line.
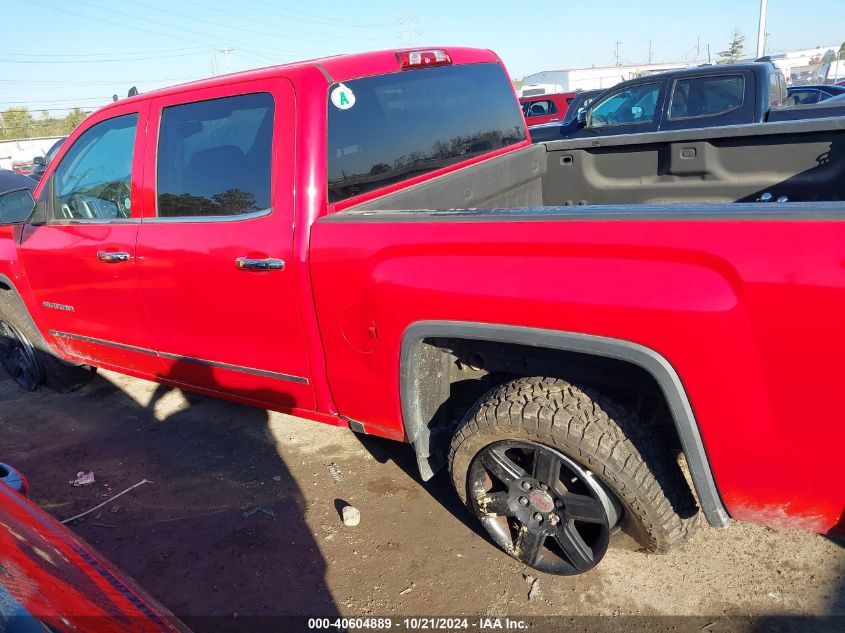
<point x="57" y="54"/>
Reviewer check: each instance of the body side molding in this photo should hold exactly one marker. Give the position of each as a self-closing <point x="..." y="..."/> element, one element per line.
<point x="655" y="364"/>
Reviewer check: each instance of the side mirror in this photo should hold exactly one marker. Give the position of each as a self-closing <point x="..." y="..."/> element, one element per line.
<point x="16" y="207"/>
<point x="582" y="117"/>
<point x="39" y="160"/>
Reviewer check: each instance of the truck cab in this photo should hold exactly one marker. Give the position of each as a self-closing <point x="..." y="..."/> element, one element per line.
<point x="691" y="98"/>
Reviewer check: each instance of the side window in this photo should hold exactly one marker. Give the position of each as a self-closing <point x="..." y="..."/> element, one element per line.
<point x="777" y="91"/>
<point x="706" y="96"/>
<point x="635" y="104"/>
<point x="540" y="108"/>
<point x="802" y="97"/>
<point x="214" y="157"/>
<point x="94" y="179"/>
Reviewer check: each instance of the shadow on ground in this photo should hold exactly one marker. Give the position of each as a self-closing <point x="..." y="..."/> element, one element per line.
<point x="233" y="554"/>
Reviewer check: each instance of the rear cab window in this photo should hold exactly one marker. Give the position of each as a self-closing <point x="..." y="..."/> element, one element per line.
<point x="706" y="96"/>
<point x="390" y="128"/>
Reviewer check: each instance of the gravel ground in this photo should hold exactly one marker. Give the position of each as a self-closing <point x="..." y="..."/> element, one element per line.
<point x="187" y="537"/>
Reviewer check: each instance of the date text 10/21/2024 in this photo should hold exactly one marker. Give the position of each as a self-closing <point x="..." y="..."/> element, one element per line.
<point x="417" y="624"/>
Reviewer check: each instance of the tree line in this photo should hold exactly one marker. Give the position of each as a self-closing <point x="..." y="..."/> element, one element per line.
<point x="17" y="123"/>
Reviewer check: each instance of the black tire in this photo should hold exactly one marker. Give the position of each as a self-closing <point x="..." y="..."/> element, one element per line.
<point x="614" y="444"/>
<point x="48" y="368"/>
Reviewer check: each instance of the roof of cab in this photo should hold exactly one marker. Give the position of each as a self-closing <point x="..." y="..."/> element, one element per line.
<point x="335" y="69"/>
<point x="705" y="69"/>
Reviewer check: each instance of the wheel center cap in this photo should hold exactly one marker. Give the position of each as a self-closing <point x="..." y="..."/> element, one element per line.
<point x="541" y="501"/>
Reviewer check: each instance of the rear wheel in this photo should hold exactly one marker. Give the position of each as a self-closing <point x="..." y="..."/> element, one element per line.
<point x="550" y="469"/>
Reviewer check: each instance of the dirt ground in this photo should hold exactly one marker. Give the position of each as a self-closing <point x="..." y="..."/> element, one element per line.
<point x="417" y="551"/>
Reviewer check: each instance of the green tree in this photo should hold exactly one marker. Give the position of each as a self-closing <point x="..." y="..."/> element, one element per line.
<point x="842" y="51"/>
<point x="734" y="51"/>
<point x="74" y="118"/>
<point x="17" y="123"/>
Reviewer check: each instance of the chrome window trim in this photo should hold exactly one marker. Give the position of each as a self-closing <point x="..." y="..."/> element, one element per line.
<point x="203" y="219"/>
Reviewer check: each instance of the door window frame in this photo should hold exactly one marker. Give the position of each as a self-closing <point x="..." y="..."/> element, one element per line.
<point x="46" y="193"/>
<point x="281" y="157"/>
<point x="704" y="116"/>
<point x="612" y="92"/>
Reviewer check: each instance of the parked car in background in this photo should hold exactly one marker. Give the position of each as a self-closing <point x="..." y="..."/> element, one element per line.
<point x="834" y="107"/>
<point x="806" y="95"/>
<point x="40" y="163"/>
<point x="706" y="96"/>
<point x="52" y="580"/>
<point x="545" y="108"/>
<point x="22" y="167"/>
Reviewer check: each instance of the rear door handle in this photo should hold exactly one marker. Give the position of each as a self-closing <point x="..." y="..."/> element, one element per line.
<point x="113" y="258"/>
<point x="246" y="263"/>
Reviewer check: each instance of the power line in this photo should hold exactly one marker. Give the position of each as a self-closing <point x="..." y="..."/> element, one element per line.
<point x="95" y="61"/>
<point x="28" y="55"/>
<point x="106" y="21"/>
<point x="321" y="37"/>
<point x="104" y="82"/>
<point x="310" y="17"/>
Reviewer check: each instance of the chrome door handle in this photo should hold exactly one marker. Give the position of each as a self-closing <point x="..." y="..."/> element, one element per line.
<point x="245" y="263"/>
<point x="113" y="258"/>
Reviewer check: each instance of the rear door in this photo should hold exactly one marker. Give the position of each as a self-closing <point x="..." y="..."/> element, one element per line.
<point x="710" y="100"/>
<point x="81" y="263"/>
<point x="215" y="246"/>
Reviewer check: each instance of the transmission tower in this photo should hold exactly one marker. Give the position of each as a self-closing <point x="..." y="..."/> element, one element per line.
<point x="409" y="34"/>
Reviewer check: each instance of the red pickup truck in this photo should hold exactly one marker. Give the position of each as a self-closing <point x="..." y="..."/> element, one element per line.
<point x="548" y="108"/>
<point x="568" y="326"/>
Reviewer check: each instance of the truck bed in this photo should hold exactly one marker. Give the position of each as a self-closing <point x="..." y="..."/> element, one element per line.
<point x="628" y="240"/>
<point x="801" y="160"/>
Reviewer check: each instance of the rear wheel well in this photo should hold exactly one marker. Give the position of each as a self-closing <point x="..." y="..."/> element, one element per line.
<point x="453" y="373"/>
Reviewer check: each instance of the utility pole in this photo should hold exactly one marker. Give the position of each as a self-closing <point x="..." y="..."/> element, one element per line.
<point x="226" y="52"/>
<point x="617" y="52"/>
<point x="650" y="52"/>
<point x="709" y="61"/>
<point x="761" y="32"/>
<point x="214" y="61"/>
<point x="698" y="48"/>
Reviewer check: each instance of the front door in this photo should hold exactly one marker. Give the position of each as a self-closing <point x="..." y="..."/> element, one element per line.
<point x="81" y="263"/>
<point x="215" y="247"/>
<point x="632" y="109"/>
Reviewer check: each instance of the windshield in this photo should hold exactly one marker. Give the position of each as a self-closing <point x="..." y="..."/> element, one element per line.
<point x="390" y="128"/>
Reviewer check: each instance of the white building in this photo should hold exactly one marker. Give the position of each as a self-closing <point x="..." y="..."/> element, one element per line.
<point x="24" y="149"/>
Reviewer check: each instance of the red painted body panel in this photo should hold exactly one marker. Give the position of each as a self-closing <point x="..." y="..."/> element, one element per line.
<point x="754" y="338"/>
<point x="561" y="101"/>
<point x="61" y="581"/>
<point x="748" y="313"/>
<point x="197" y="302"/>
